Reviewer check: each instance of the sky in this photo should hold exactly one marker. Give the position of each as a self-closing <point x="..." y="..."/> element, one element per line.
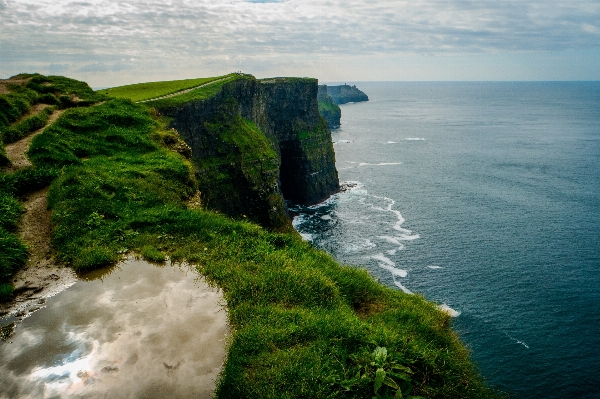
<point x="111" y="43"/>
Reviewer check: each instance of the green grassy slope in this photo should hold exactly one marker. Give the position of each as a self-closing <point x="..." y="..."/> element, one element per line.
<point x="196" y="94"/>
<point x="23" y="92"/>
<point x="146" y="91"/>
<point x="303" y="326"/>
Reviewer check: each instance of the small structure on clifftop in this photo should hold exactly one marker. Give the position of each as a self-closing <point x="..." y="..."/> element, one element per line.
<point x="346" y="94"/>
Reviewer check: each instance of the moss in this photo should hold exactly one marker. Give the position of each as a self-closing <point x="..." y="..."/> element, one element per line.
<point x="245" y="167"/>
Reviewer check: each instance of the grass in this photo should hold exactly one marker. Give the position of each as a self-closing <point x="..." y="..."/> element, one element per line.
<point x="146" y="91"/>
<point x="303" y="326"/>
<point x="27" y="126"/>
<point x="196" y="94"/>
<point x="25" y="91"/>
<point x="6" y="291"/>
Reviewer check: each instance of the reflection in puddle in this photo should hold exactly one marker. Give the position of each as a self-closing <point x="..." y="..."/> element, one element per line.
<point x="140" y="331"/>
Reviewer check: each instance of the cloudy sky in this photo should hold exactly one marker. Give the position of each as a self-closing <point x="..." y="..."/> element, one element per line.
<point x="108" y="43"/>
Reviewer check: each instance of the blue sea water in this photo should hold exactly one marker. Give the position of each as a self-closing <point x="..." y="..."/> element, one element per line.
<point x="485" y="198"/>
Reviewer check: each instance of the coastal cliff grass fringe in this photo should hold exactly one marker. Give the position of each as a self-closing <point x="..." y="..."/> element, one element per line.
<point x="303" y="326"/>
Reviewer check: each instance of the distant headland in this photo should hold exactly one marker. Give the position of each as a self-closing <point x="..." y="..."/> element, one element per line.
<point x="331" y="96"/>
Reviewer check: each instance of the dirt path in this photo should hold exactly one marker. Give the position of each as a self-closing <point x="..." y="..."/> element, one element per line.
<point x="41" y="277"/>
<point x="16" y="151"/>
<point x="182" y="91"/>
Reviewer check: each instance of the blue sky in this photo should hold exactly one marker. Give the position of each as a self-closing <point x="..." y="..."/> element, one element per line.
<point x="108" y="43"/>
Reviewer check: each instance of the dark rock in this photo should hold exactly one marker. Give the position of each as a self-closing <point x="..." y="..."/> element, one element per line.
<point x="328" y="109"/>
<point x="256" y="142"/>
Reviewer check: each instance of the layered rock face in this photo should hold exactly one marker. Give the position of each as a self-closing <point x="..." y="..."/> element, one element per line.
<point x="257" y="142"/>
<point x="328" y="109"/>
<point x="288" y="112"/>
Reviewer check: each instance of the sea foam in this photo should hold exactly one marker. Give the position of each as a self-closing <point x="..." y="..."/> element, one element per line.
<point x="387" y="264"/>
<point x="447" y="309"/>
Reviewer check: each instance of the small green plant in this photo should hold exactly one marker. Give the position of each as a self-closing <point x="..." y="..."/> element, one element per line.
<point x="386" y="378"/>
<point x="94" y="220"/>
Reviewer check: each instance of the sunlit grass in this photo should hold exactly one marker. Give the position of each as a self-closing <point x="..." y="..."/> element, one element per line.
<point x="303" y="326"/>
<point x="146" y="91"/>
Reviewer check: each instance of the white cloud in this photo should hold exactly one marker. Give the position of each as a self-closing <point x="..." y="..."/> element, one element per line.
<point x="185" y="34"/>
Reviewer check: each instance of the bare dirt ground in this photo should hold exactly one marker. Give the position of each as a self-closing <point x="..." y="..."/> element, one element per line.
<point x="16" y="151"/>
<point x="41" y="277"/>
<point x="5" y="82"/>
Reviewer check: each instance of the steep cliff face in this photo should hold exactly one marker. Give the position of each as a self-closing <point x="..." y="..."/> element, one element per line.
<point x="257" y="142"/>
<point x="288" y="112"/>
<point x="328" y="109"/>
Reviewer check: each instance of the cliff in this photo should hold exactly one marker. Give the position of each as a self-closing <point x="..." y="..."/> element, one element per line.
<point x="256" y="144"/>
<point x="328" y="109"/>
<point x="346" y="94"/>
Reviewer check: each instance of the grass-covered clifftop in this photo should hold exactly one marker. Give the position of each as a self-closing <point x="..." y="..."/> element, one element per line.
<point x="303" y="326"/>
<point x="254" y="143"/>
<point x="150" y="90"/>
<point x="26" y="103"/>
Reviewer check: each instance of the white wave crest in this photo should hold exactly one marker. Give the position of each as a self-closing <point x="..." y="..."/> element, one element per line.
<point x="306" y="237"/>
<point x="387" y="264"/>
<point x="379" y="164"/>
<point x="403" y="288"/>
<point x="447" y="309"/>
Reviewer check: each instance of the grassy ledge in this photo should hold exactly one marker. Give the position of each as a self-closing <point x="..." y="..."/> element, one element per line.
<point x="147" y="91"/>
<point x="200" y="93"/>
<point x="303" y="326"/>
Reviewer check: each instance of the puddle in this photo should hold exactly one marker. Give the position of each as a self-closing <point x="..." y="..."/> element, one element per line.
<point x="133" y="331"/>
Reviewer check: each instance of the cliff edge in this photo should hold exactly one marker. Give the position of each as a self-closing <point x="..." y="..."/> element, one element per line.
<point x="328" y="109"/>
<point x="257" y="144"/>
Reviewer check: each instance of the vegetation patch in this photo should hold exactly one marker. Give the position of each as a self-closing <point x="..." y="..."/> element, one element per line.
<point x="200" y="93"/>
<point x="6" y="291"/>
<point x="26" y="126"/>
<point x="24" y="92"/>
<point x="293" y="310"/>
<point x="146" y="91"/>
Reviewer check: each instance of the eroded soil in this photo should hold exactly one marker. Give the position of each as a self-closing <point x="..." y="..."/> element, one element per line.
<point x="16" y="151"/>
<point x="41" y="277"/>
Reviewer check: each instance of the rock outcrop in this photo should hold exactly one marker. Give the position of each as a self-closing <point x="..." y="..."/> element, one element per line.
<point x="257" y="142"/>
<point x="346" y="94"/>
<point x="328" y="109"/>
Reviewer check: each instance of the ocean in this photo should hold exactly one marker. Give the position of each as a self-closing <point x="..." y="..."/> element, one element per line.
<point x="485" y="198"/>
